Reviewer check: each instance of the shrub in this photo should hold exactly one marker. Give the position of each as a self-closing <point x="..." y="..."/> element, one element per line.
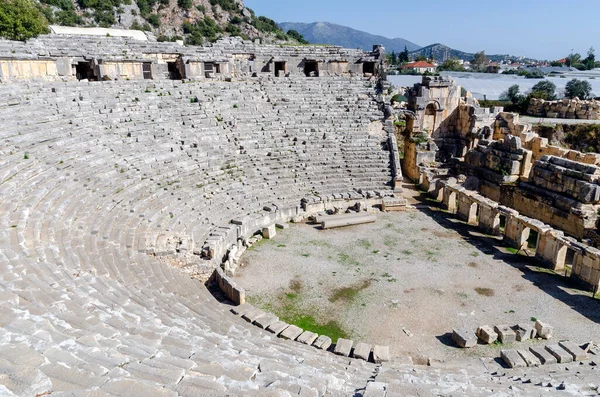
<point x="21" y="20"/>
<point x="297" y="36"/>
<point x="185" y="4"/>
<point x="154" y="20"/>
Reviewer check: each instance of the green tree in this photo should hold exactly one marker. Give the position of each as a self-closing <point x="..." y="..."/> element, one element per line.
<point x="421" y="58"/>
<point x="512" y="94"/>
<point x="403" y="56"/>
<point x="545" y="89"/>
<point x="294" y="34"/>
<point x="480" y="61"/>
<point x="573" y="59"/>
<point x="452" y="65"/>
<point x="578" y="88"/>
<point x="392" y="58"/>
<point x="21" y="20"/>
<point x="590" y="61"/>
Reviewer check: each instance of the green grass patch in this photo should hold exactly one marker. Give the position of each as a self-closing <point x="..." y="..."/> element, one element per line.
<point x="309" y="323"/>
<point x="366" y="244"/>
<point x="512" y="250"/>
<point x="319" y="243"/>
<point x="348" y="294"/>
<point x="281" y="245"/>
<point x="345" y="259"/>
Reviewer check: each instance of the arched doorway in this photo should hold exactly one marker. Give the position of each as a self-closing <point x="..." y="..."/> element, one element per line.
<point x="429" y="118"/>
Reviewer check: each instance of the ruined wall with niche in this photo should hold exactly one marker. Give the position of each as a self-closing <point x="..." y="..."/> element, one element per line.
<point x="43" y="58"/>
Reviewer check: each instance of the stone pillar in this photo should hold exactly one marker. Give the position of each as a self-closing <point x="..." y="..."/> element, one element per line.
<point x="552" y="250"/>
<point x="586" y="268"/>
<point x="467" y="209"/>
<point x="450" y="200"/>
<point x="489" y="219"/>
<point x="516" y="233"/>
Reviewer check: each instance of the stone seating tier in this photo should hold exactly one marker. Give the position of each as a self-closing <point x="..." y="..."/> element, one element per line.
<point x="108" y="192"/>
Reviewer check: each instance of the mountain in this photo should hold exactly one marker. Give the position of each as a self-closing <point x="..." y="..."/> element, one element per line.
<point x="330" y="33"/>
<point x="440" y="52"/>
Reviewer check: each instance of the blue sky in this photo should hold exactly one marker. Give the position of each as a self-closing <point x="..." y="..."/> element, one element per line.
<point x="547" y="29"/>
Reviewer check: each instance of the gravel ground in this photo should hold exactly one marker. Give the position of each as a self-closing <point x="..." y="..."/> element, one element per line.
<point x="408" y="279"/>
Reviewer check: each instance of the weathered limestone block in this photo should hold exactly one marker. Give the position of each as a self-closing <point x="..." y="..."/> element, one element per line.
<point x="381" y="354"/>
<point x="265" y="320"/>
<point x="362" y="351"/>
<point x="343" y="347"/>
<point x="307" y="338"/>
<point x="543" y="330"/>
<point x="543" y="355"/>
<point x="277" y="327"/>
<point x="487" y="334"/>
<point x="291" y="332"/>
<point x="524" y="332"/>
<point x="269" y="232"/>
<point x="505" y="333"/>
<point x="512" y="359"/>
<point x="242" y="309"/>
<point x="575" y="351"/>
<point x="464" y="338"/>
<point x="323" y="342"/>
<point x="529" y="358"/>
<point x="561" y="355"/>
<point x="252" y="315"/>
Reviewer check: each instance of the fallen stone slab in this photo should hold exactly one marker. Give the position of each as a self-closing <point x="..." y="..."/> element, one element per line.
<point x="265" y="320"/>
<point x="277" y="327"/>
<point x="529" y="358"/>
<point x="512" y="359"/>
<point x="381" y="354"/>
<point x="575" y="351"/>
<point x="347" y="220"/>
<point x="464" y="338"/>
<point x="524" y="332"/>
<point x="323" y="342"/>
<point x="307" y="338"/>
<point x="561" y="355"/>
<point x="282" y="225"/>
<point x="487" y="334"/>
<point x="543" y="355"/>
<point x="343" y="347"/>
<point x="362" y="351"/>
<point x="543" y="330"/>
<point x="242" y="309"/>
<point x="505" y="334"/>
<point x="291" y="332"/>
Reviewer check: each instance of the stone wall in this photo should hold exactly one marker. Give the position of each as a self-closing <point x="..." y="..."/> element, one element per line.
<point x="50" y="56"/>
<point x="551" y="246"/>
<point x="565" y="109"/>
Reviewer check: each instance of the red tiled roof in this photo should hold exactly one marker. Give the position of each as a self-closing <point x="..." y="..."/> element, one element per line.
<point x="419" y="64"/>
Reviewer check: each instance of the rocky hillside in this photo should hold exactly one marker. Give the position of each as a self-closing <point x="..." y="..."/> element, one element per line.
<point x="198" y="20"/>
<point x="330" y="33"/>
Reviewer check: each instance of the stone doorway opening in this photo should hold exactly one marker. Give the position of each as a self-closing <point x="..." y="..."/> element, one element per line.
<point x="368" y="67"/>
<point x="311" y="68"/>
<point x="174" y="72"/>
<point x="147" y="70"/>
<point x="85" y="70"/>
<point x="502" y="223"/>
<point x="280" y="69"/>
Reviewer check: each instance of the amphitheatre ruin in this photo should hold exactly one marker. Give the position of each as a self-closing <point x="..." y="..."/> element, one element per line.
<point x="244" y="219"/>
